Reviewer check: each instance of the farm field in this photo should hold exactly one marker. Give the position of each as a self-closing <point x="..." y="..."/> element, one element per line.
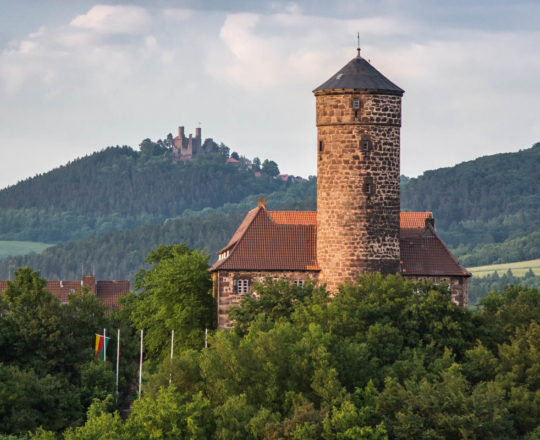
<point x="518" y="268"/>
<point x="14" y="248"/>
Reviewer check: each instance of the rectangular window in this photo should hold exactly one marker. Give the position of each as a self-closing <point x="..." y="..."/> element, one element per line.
<point x="299" y="283"/>
<point x="242" y="286"/>
<point x="368" y="188"/>
<point x="356" y="103"/>
<point x="365" y="144"/>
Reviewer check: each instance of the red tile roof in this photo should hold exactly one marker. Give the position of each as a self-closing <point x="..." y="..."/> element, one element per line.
<point x="61" y="289"/>
<point x="260" y="243"/>
<point x="413" y="220"/>
<point x="287" y="240"/>
<point x="108" y="291"/>
<point x="111" y="291"/>
<point x="232" y="160"/>
<point x="426" y="254"/>
<point x="294" y="217"/>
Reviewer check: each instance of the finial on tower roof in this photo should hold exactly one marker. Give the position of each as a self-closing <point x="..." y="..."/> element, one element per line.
<point x="358" y="47"/>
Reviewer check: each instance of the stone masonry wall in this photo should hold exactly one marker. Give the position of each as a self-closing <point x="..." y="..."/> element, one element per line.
<point x="225" y="287"/>
<point x="357" y="186"/>
<point x="458" y="287"/>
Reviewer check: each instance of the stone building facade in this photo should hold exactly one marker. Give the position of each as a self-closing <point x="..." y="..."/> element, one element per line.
<point x="357" y="177"/>
<point x="358" y="227"/>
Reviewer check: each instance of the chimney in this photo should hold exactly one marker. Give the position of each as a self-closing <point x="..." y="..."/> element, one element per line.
<point x="181" y="132"/>
<point x="430" y="221"/>
<point x="89" y="281"/>
<point x="262" y="202"/>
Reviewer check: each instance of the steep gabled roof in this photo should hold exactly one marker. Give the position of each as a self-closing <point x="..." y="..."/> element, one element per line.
<point x="262" y="243"/>
<point x="426" y="254"/>
<point x="359" y="74"/>
<point x="287" y="240"/>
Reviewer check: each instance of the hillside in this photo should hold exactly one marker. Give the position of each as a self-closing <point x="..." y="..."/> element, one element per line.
<point x="120" y="188"/>
<point x="487" y="210"/>
<point x="490" y="215"/>
<point x="120" y="254"/>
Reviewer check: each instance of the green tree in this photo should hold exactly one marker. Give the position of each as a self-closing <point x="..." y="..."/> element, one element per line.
<point x="270" y="168"/>
<point x="175" y="294"/>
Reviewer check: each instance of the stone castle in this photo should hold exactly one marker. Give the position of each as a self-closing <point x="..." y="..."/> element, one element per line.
<point x="358" y="227"/>
<point x="184" y="148"/>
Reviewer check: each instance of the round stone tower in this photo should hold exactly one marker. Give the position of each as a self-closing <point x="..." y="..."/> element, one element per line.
<point x="358" y="128"/>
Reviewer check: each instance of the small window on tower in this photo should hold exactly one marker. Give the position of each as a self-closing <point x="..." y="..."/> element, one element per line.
<point x="320" y="147"/>
<point x="365" y="144"/>
<point x="356" y="103"/>
<point x="369" y="186"/>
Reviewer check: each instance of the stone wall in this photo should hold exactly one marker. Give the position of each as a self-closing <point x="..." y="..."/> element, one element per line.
<point x="358" y="152"/>
<point x="457" y="285"/>
<point x="225" y="287"/>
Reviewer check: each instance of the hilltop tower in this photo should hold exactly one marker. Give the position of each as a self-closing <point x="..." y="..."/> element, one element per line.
<point x="358" y="113"/>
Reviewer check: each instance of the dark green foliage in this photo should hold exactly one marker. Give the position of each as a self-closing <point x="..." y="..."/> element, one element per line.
<point x="487" y="209"/>
<point x="47" y="373"/>
<point x="119" y="188"/>
<point x="175" y="294"/>
<point x="270" y="168"/>
<point x="385" y="358"/>
<point x="120" y="254"/>
<point x="479" y="287"/>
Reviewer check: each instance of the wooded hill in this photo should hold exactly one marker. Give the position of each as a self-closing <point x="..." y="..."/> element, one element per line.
<point x="119" y="188"/>
<point x="487" y="210"/>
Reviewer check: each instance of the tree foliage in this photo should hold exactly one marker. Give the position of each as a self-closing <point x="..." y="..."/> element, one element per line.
<point x="47" y="373"/>
<point x="385" y="358"/>
<point x="175" y="294"/>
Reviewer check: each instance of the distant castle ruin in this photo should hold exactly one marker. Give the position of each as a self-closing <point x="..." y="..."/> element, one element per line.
<point x="184" y="148"/>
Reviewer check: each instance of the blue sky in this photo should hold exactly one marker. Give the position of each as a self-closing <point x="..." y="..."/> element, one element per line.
<point x="77" y="76"/>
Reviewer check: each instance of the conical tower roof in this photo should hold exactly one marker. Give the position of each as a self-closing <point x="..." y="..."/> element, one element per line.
<point x="359" y="74"/>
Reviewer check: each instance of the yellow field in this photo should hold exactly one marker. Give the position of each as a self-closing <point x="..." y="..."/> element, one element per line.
<point x="518" y="269"/>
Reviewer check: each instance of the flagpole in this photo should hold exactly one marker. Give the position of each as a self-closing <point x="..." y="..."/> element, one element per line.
<point x="117" y="361"/>
<point x="104" y="345"/>
<point x="140" y="364"/>
<point x="172" y="351"/>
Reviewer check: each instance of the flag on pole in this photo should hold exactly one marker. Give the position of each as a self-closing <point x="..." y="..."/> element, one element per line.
<point x="101" y="346"/>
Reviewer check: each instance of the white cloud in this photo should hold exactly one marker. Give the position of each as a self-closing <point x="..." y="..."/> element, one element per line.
<point x="117" y="74"/>
<point x="177" y="14"/>
<point x="113" y="20"/>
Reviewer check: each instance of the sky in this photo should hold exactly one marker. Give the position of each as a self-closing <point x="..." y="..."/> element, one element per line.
<point x="77" y="76"/>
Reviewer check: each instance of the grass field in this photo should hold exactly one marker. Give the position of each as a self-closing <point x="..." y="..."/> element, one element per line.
<point x="518" y="269"/>
<point x="14" y="248"/>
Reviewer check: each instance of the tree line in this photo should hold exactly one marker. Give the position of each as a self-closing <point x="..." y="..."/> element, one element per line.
<point x="384" y="358"/>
